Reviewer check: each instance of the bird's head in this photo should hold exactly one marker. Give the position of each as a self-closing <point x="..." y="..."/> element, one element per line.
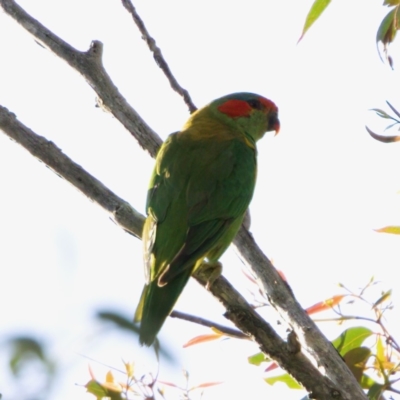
<point x="250" y="113"/>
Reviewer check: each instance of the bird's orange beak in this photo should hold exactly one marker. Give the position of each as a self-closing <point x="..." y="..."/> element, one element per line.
<point x="277" y="127"/>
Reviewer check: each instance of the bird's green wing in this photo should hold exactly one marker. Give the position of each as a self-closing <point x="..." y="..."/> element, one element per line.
<point x="197" y="197"/>
<point x="217" y="194"/>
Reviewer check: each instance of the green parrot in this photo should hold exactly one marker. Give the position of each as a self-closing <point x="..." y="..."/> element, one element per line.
<point x="199" y="191"/>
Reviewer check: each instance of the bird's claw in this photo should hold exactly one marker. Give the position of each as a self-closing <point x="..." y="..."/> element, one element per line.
<point x="213" y="270"/>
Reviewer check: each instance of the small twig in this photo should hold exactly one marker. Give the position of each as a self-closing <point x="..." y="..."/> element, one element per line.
<point x="393" y="389"/>
<point x="394" y="110"/>
<point x="158" y="57"/>
<point x="205" y="322"/>
<point x="345" y="318"/>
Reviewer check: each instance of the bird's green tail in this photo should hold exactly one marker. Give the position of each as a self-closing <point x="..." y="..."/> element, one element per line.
<point x="156" y="303"/>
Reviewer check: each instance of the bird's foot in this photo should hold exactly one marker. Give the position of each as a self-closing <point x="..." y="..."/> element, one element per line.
<point x="213" y="270"/>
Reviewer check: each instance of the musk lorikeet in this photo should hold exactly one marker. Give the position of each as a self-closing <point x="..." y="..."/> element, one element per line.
<point x="199" y="191"/>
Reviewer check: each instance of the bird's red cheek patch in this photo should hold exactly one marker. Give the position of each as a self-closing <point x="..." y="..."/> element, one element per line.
<point x="235" y="108"/>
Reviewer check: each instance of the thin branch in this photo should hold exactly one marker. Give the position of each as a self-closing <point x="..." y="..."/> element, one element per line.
<point x="89" y="65"/>
<point x="288" y="357"/>
<point x="158" y="57"/>
<point x="44" y="150"/>
<point x="281" y="298"/>
<point x="238" y="310"/>
<point x="206" y="322"/>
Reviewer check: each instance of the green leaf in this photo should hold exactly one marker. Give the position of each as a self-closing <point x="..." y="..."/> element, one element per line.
<point x="258" y="358"/>
<point x="383" y="298"/>
<point x="96" y="389"/>
<point x="381" y="113"/>
<point x="387" y="30"/>
<point x="356" y="359"/>
<point x="286" y="379"/>
<point x="24" y="350"/>
<point x="350" y="339"/>
<point x="101" y="393"/>
<point x="367" y="382"/>
<point x="315" y="11"/>
<point x="390" y="3"/>
<point x="375" y="392"/>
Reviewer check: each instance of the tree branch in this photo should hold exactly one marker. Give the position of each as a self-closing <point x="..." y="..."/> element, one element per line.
<point x="342" y="383"/>
<point x="282" y="299"/>
<point x="289" y="357"/>
<point x="44" y="150"/>
<point x="158" y="57"/>
<point x="89" y="65"/>
<point x="206" y="322"/>
<point x="238" y="310"/>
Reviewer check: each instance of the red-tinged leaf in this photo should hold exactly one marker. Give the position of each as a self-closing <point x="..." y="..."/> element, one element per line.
<point x="258" y="358"/>
<point x="356" y="359"/>
<point x="394" y="230"/>
<point x="315" y="12"/>
<point x="202" y="339"/>
<point x="271" y="367"/>
<point x="282" y="275"/>
<point x="205" y="385"/>
<point x="91" y="373"/>
<point x="287" y="379"/>
<point x="248" y="276"/>
<point x="350" y="339"/>
<point x="381" y="138"/>
<point x="325" y="305"/>
<point x="168" y="384"/>
<point x="383" y="298"/>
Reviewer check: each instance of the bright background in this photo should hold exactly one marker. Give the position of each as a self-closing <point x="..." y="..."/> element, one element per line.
<point x="324" y="184"/>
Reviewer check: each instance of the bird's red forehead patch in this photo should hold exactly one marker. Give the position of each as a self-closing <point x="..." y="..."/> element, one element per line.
<point x="269" y="105"/>
<point x="235" y="108"/>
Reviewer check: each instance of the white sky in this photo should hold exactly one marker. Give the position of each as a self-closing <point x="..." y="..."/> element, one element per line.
<point x="323" y="183"/>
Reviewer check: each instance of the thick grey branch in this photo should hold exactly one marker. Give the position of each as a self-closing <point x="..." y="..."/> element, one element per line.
<point x="158" y="57"/>
<point x="238" y="310"/>
<point x="89" y="65"/>
<point x="250" y="323"/>
<point x="46" y="151"/>
<point x="281" y="297"/>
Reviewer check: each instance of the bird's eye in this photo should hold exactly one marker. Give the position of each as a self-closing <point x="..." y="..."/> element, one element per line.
<point x="256" y="104"/>
<point x="273" y="119"/>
